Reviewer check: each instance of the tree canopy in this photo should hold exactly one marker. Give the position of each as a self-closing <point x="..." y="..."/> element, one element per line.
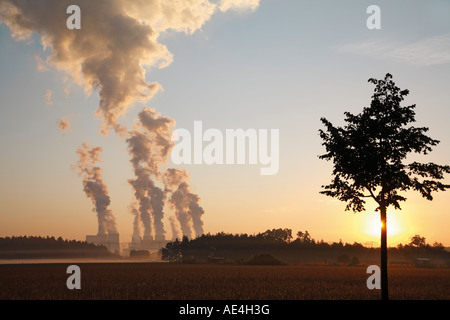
<point x="369" y="152"/>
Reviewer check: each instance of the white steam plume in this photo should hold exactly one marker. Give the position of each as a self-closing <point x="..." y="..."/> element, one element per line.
<point x="48" y="97"/>
<point x="185" y="203"/>
<point x="111" y="53"/>
<point x="149" y="145"/>
<point x="136" y="221"/>
<point x="196" y="213"/>
<point x="64" y="125"/>
<point x="94" y="187"/>
<point x="117" y="39"/>
<point x="225" y="5"/>
<point x="174" y="227"/>
<point x="180" y="202"/>
<point x="141" y="185"/>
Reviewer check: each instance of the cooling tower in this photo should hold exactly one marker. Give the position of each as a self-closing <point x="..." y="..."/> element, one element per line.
<point x="110" y="241"/>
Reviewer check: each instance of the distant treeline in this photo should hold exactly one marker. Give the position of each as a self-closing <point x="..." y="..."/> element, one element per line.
<point x="239" y="248"/>
<point x="27" y="247"/>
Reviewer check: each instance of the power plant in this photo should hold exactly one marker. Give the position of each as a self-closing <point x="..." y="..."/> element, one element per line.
<point x="110" y="241"/>
<point x="148" y="243"/>
<point x="148" y="145"/>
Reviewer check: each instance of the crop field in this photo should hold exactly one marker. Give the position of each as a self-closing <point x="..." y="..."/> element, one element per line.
<point x="160" y="281"/>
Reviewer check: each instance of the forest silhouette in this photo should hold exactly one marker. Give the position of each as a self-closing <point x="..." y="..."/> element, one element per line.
<point x="279" y="243"/>
<point x="37" y="247"/>
<point x="273" y="246"/>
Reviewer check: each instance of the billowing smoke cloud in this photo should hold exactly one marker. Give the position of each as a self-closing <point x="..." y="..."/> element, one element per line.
<point x="196" y="213"/>
<point x="174" y="227"/>
<point x="48" y="97"/>
<point x="225" y="5"/>
<point x="186" y="204"/>
<point x="40" y="63"/>
<point x="158" y="130"/>
<point x="94" y="186"/>
<point x="111" y="53"/>
<point x="149" y="145"/>
<point x="180" y="201"/>
<point x="136" y="221"/>
<point x="142" y="184"/>
<point x="117" y="39"/>
<point x="64" y="124"/>
<point x="106" y="54"/>
<point x="173" y="178"/>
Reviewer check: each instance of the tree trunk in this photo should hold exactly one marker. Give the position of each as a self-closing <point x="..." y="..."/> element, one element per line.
<point x="384" y="279"/>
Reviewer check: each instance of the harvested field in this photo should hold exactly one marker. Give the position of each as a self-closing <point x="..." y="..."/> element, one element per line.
<point x="144" y="281"/>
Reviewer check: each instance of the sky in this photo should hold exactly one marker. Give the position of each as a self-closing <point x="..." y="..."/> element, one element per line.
<point x="242" y="64"/>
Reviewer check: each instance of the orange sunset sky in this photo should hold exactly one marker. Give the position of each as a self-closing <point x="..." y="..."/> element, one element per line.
<point x="237" y="64"/>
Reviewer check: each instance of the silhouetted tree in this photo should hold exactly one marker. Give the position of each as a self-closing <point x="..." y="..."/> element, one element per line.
<point x="438" y="246"/>
<point x="173" y="250"/>
<point x="305" y="238"/>
<point x="368" y="155"/>
<point x="417" y="241"/>
<point x="282" y="235"/>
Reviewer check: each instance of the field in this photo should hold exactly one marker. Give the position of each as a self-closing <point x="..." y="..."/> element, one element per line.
<point x="160" y="281"/>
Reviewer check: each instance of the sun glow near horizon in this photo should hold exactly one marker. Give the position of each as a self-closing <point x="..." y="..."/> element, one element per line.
<point x="396" y="227"/>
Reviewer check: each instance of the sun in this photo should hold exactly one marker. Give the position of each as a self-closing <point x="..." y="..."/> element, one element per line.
<point x="374" y="225"/>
